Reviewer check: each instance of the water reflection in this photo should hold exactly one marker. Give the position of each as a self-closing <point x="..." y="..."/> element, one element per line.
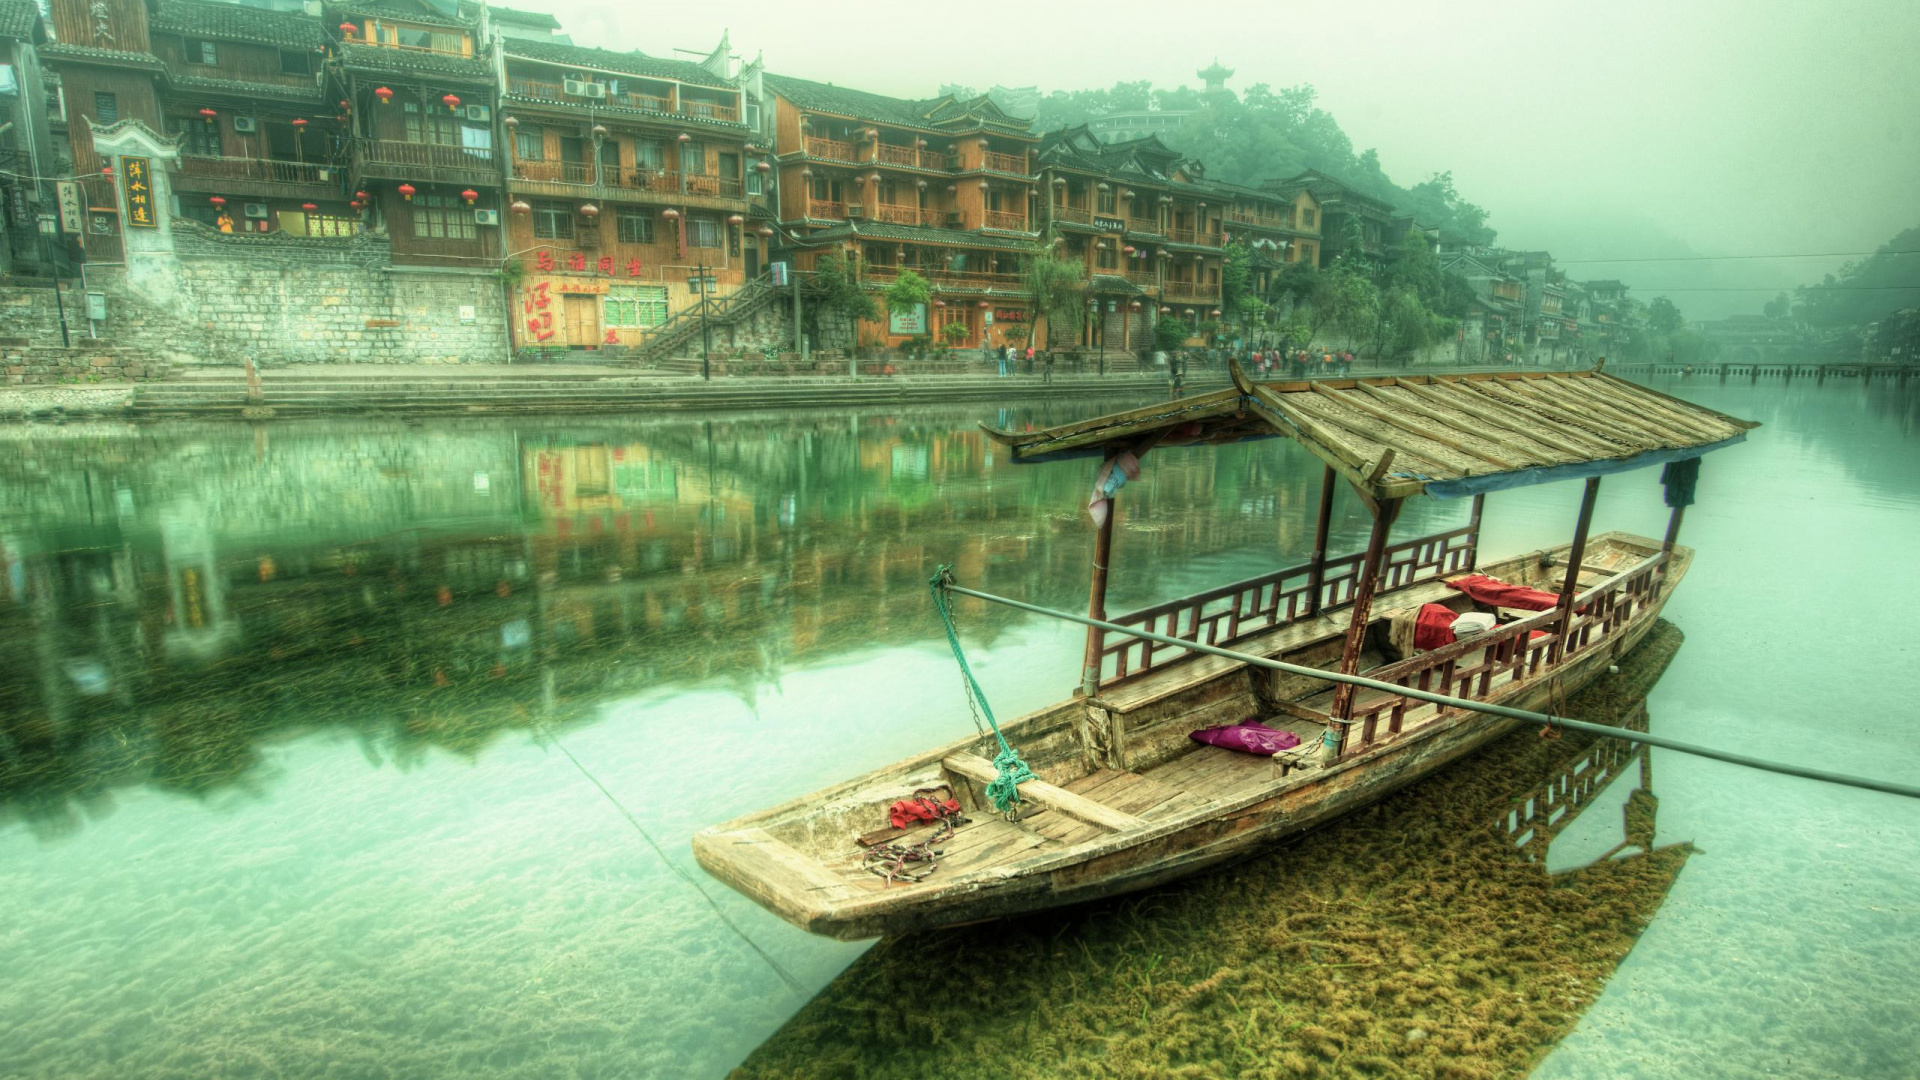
<point x="1545" y="824"/>
<point x="185" y="596"/>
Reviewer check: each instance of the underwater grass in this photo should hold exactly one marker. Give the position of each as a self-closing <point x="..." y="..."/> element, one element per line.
<point x="1407" y="940"/>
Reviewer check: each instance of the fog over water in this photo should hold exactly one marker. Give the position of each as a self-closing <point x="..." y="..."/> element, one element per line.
<point x="1638" y="130"/>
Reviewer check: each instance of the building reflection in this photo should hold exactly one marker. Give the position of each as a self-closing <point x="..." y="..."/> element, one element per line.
<point x="176" y="600"/>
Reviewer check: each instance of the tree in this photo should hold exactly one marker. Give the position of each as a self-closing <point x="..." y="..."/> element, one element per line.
<point x="1056" y="290"/>
<point x="1237" y="297"/>
<point x="1343" y="300"/>
<point x="908" y="291"/>
<point x="1170" y="333"/>
<point x="1866" y="290"/>
<point x="836" y="290"/>
<point x="1403" y="325"/>
<point x="1663" y="317"/>
<point x="1778" y="307"/>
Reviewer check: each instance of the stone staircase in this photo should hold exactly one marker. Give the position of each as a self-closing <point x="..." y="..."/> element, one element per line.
<point x="680" y="335"/>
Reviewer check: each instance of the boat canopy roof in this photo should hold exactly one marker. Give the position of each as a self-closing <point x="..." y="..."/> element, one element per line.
<point x="1444" y="435"/>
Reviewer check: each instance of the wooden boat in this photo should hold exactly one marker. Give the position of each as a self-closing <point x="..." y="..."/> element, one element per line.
<point x="1124" y="797"/>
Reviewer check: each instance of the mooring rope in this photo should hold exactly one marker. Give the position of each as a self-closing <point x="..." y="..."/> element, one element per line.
<point x="1004" y="791"/>
<point x="1784" y="769"/>
<point x="785" y="975"/>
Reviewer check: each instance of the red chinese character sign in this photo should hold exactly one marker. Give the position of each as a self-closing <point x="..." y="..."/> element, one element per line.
<point x="538" y="309"/>
<point x="548" y="262"/>
<point x="544" y="263"/>
<point x="138" y="182"/>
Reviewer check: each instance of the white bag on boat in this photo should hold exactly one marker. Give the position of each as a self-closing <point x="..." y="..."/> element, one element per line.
<point x="1473" y="622"/>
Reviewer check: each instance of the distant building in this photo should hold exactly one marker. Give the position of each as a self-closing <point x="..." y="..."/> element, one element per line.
<point x="1136" y="124"/>
<point x="1215" y="76"/>
<point x="1019" y="101"/>
<point x="527" y="26"/>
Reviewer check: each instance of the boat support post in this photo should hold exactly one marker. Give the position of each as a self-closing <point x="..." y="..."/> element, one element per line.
<point x="1473" y="527"/>
<point x="1362" y="609"/>
<point x="1097" y="598"/>
<point x="1317" y="570"/>
<point x="1483" y="708"/>
<point x="1571" y="582"/>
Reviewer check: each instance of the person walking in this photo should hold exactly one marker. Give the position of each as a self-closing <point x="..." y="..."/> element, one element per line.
<point x="1046" y="367"/>
<point x="1029" y="358"/>
<point x="1004" y="354"/>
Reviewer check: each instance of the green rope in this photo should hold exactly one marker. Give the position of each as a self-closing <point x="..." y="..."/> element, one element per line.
<point x="1004" y="792"/>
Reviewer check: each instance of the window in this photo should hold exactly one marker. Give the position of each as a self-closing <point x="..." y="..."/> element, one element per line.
<point x="197" y="137"/>
<point x="106" y="107"/>
<point x="1106" y="201"/>
<point x="298" y="223"/>
<point x="757" y="185"/>
<point x="636" y="226"/>
<point x="295" y="63"/>
<point x="530" y="145"/>
<point x="730" y="167"/>
<point x="1306" y="219"/>
<point x="201" y="52"/>
<point x="753" y="115"/>
<point x="636" y="305"/>
<point x="553" y="220"/>
<point x="693" y="158"/>
<point x="649" y="154"/>
<point x="1108" y="260"/>
<point x="432" y="124"/>
<point x="703" y="232"/>
<point x="443" y="217"/>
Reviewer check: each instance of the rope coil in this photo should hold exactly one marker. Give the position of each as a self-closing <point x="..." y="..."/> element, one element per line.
<point x="1004" y="791"/>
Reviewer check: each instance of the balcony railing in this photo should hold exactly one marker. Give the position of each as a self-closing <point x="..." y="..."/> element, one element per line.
<point x="1003" y="219"/>
<point x="888" y="154"/>
<point x="1007" y="163"/>
<point x="1189" y="292"/>
<point x="830" y="211"/>
<point x="829" y="149"/>
<point x="1190" y="236"/>
<point x="1145" y="225"/>
<point x="264" y="171"/>
<point x="932" y="160"/>
<point x="718" y="187"/>
<point x="549" y="91"/>
<point x="1259" y="221"/>
<point x="1146" y="279"/>
<point x="554" y="172"/>
<point x="1075" y="214"/>
<point x="641" y="179"/>
<point x="898" y="215"/>
<point x="950" y="279"/>
<point x="710" y="110"/>
<point x="424" y="155"/>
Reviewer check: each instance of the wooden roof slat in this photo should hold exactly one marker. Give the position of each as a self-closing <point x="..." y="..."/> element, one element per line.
<point x="1543" y="412"/>
<point x="1349" y="465"/>
<point x="1571" y="403"/>
<point x="1518" y="447"/>
<point x="1459" y="399"/>
<point x="1446" y="462"/>
<point x="1360" y="402"/>
<point x="1644" y="405"/>
<point x="1677" y="404"/>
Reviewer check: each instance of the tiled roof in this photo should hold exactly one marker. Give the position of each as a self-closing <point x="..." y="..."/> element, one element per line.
<point x="1109" y="283"/>
<point x="524" y="18"/>
<point x="243" y="88"/>
<point x="20" y="20"/>
<point x="231" y="22"/>
<point x="415" y="62"/>
<point x="943" y="114"/>
<point x="620" y="63"/>
<point x="876" y="230"/>
<point x="464" y="13"/>
<point x="60" y="50"/>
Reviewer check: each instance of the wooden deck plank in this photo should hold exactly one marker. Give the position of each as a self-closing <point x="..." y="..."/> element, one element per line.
<point x="975" y="767"/>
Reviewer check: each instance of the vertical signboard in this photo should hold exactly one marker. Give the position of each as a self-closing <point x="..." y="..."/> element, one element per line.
<point x="72" y="220"/>
<point x="139" y="186"/>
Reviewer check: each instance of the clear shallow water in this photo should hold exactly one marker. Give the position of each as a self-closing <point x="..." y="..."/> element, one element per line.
<point x="277" y="795"/>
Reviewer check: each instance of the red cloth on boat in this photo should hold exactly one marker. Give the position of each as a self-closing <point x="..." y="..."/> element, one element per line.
<point x="1251" y="737"/>
<point x="1433" y="627"/>
<point x="907" y="811"/>
<point x="1494" y="593"/>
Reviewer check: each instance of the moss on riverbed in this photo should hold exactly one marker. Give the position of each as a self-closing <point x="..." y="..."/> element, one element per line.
<point x="1408" y="940"/>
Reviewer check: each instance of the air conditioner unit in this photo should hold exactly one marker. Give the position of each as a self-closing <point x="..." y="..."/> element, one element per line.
<point x="576" y="87"/>
<point x="855" y="210"/>
<point x="594" y="90"/>
<point x="487" y="217"/>
<point x="480" y="113"/>
<point x="254" y="209"/>
<point x="245" y="124"/>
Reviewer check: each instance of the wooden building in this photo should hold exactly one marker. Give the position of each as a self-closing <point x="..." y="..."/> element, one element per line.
<point x="941" y="186"/>
<point x="631" y="179"/>
<point x="26" y="147"/>
<point x="416" y="80"/>
<point x="1350" y="221"/>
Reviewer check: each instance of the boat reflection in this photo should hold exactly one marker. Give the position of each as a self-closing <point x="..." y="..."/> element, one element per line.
<point x="1561" y="822"/>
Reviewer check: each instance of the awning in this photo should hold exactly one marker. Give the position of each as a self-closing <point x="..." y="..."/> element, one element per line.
<point x="1444" y="435"/>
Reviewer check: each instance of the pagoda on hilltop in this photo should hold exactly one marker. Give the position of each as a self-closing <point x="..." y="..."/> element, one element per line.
<point x="1215" y="76"/>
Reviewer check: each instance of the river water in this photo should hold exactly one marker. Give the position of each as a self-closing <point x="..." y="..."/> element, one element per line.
<point x="282" y="712"/>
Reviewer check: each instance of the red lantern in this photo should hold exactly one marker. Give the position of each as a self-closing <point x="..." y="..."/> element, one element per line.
<point x="300" y="121"/>
<point x="470" y="195"/>
<point x="346" y="106"/>
<point x="362" y="196"/>
<point x="385" y="95"/>
<point x="939" y="303"/>
<point x="406" y="191"/>
<point x="451" y="101"/>
<point x="984" y="304"/>
<point x="347" y="29"/>
<point x="218" y="201"/>
<point x="106" y="170"/>
<point x="520" y="206"/>
<point x="309" y="207"/>
<point x="208" y="114"/>
<point x="355" y="204"/>
<point x="684" y="137"/>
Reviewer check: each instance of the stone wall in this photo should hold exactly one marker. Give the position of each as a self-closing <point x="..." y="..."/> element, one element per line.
<point x="86" y="362"/>
<point x="220" y="298"/>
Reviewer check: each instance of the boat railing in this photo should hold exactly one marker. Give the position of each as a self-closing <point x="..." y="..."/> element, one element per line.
<point x="1477" y="668"/>
<point x="1231" y="613"/>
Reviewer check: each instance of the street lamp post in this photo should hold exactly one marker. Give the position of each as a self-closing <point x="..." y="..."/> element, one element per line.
<point x="50" y="228"/>
<point x="706" y="331"/>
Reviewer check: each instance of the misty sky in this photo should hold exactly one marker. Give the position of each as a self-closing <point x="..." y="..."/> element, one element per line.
<point x="1627" y="129"/>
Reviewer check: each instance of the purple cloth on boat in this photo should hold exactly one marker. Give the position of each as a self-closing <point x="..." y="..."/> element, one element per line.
<point x="1251" y="737"/>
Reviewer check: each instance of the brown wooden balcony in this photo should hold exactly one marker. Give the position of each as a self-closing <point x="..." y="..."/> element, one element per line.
<point x="1145" y="225"/>
<point x="710" y="110"/>
<point x="1146" y="279"/>
<point x="1006" y="163"/>
<point x="556" y="93"/>
<point x="259" y="176"/>
<point x="1073" y="214"/>
<point x="827" y="211"/>
<point x="480" y="251"/>
<point x="1259" y="221"/>
<point x="1188" y="292"/>
<point x="397" y="160"/>
<point x="1003" y="219"/>
<point x="1190" y="236"/>
<point x="888" y="154"/>
<point x="898" y="215"/>
<point x="554" y="172"/>
<point x="829" y="149"/>
<point x="716" y="187"/>
<point x="937" y="161"/>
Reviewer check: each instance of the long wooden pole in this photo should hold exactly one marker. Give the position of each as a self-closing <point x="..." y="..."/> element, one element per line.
<point x="1572" y="581"/>
<point x="1317" y="569"/>
<point x="1362" y="608"/>
<point x="1673" y="535"/>
<point x="1097" y="600"/>
<point x="1473" y="524"/>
